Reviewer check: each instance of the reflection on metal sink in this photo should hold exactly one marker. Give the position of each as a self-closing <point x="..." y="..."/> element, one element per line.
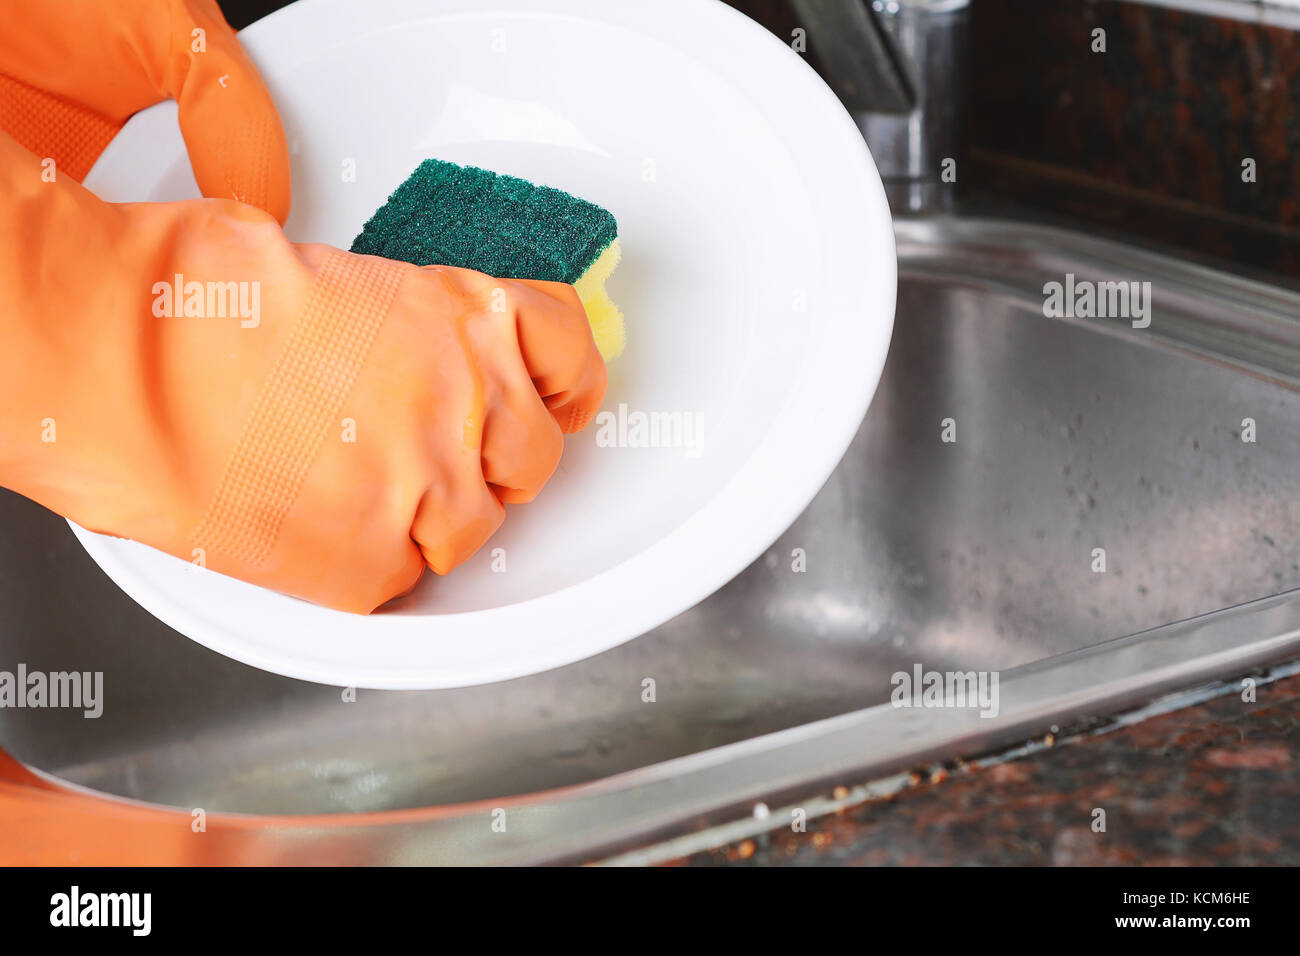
<point x="1076" y="441"/>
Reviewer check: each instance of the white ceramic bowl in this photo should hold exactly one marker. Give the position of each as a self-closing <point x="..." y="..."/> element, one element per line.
<point x="758" y="282"/>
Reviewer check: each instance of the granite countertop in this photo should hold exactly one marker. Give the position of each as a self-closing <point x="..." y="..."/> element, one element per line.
<point x="1215" y="783"/>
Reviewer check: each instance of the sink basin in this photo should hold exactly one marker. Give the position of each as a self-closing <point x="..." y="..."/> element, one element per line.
<point x="975" y="554"/>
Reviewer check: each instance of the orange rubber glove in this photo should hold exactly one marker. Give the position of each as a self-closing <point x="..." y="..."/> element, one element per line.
<point x="73" y="71"/>
<point x="180" y="373"/>
<point x="318" y="422"/>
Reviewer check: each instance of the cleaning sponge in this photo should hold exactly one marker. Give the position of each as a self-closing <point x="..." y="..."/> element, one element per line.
<point x="464" y="216"/>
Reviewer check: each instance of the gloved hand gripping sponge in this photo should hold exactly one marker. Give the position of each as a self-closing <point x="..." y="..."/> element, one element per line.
<point x="507" y="227"/>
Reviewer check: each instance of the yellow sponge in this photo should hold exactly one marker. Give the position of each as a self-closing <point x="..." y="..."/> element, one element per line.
<point x="452" y="215"/>
<point x="603" y="315"/>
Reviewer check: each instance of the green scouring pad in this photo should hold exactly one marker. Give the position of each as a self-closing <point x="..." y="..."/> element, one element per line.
<point x="452" y="215"/>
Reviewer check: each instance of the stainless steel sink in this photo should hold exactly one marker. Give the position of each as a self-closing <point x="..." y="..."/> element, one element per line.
<point x="971" y="555"/>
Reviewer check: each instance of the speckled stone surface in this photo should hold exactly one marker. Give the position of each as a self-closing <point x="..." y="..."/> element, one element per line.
<point x="1149" y="135"/>
<point x="1213" y="784"/>
<point x="1145" y="137"/>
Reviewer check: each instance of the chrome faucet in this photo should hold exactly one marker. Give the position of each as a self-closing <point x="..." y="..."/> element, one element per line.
<point x="898" y="65"/>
